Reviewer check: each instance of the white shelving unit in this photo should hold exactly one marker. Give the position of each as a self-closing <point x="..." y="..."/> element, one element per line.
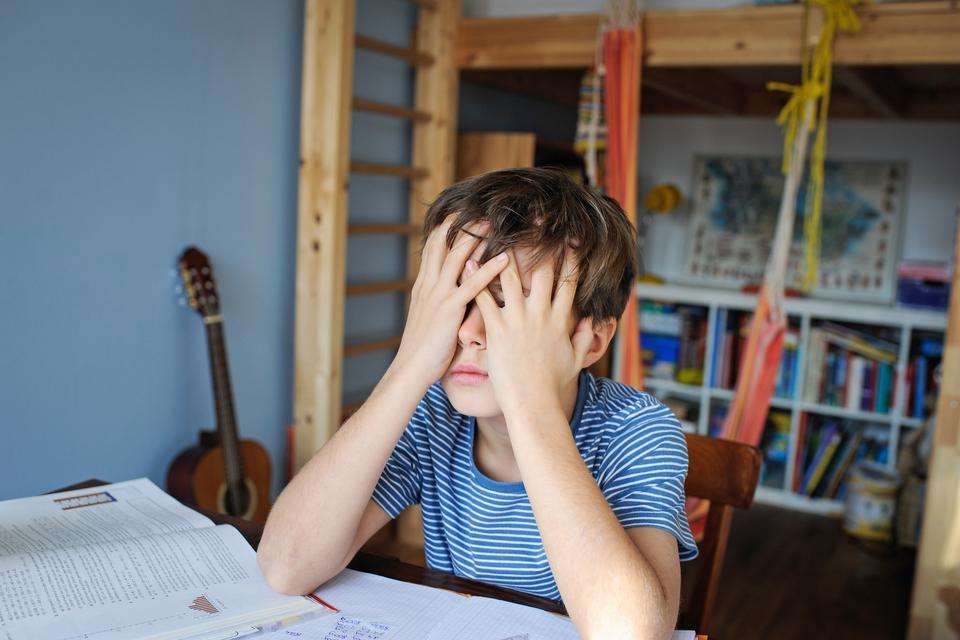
<point x="806" y="310"/>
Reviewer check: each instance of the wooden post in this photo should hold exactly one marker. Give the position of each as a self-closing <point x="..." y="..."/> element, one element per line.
<point x="327" y="89"/>
<point x="935" y="608"/>
<point x="434" y="141"/>
<point x="434" y="149"/>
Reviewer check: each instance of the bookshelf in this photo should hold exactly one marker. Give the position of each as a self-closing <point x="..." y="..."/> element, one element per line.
<point x="804" y="313"/>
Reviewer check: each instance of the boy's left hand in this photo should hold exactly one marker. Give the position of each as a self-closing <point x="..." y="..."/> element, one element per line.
<point x="534" y="351"/>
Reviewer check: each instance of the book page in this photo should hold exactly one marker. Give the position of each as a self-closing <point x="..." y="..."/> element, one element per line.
<point x="377" y="608"/>
<point x="373" y="608"/>
<point x="87" y="516"/>
<point x="123" y="586"/>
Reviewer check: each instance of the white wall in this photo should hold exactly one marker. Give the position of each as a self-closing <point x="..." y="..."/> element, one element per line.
<point x="931" y="150"/>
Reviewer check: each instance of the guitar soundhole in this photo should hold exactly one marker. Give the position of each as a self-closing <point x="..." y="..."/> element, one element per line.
<point x="237" y="500"/>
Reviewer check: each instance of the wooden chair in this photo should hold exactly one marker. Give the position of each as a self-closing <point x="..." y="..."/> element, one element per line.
<point x="725" y="473"/>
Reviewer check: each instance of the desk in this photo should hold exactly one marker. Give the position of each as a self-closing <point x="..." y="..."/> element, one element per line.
<point x="388" y="567"/>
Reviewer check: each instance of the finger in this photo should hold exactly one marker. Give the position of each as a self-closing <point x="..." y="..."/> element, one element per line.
<point x="566" y="284"/>
<point x="582" y="339"/>
<point x="510" y="283"/>
<point x="489" y="309"/>
<point x="435" y="249"/>
<point x="541" y="283"/>
<point x="476" y="279"/>
<point x="464" y="245"/>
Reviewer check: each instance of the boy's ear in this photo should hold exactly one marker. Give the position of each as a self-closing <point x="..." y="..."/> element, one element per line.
<point x="603" y="332"/>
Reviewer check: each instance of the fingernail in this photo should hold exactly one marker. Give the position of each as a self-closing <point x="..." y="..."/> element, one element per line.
<point x="471" y="266"/>
<point x="502" y="257"/>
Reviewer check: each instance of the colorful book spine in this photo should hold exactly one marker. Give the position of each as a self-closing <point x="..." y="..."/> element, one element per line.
<point x="919" y="386"/>
<point x="829" y="440"/>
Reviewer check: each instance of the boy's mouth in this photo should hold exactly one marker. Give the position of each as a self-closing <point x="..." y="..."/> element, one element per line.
<point x="468" y="374"/>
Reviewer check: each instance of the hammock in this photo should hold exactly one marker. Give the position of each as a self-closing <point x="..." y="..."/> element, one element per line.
<point x="747" y="415"/>
<point x="621" y="63"/>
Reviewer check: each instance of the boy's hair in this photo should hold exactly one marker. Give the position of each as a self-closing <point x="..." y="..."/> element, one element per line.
<point x="544" y="210"/>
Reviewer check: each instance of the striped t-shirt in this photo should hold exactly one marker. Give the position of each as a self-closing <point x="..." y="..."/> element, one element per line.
<point x="482" y="529"/>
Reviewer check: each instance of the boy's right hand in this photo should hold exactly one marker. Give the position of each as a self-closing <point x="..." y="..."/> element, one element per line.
<point x="438" y="303"/>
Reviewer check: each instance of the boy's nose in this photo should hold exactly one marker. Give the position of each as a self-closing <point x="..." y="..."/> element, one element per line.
<point x="472" y="332"/>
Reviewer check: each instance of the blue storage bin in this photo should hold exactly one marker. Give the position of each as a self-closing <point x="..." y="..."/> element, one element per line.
<point x="923" y="294"/>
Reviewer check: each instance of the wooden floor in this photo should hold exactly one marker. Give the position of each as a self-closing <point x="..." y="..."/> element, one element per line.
<point x="791" y="575"/>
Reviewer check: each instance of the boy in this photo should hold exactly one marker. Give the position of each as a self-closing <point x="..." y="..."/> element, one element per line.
<point x="532" y="474"/>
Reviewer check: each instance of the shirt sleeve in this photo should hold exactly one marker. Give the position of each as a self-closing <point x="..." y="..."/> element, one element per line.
<point x="643" y="473"/>
<point x="399" y="484"/>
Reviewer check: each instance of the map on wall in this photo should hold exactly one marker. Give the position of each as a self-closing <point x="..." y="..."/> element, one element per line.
<point x="735" y="205"/>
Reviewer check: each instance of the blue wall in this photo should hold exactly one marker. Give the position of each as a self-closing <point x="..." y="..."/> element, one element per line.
<point x="130" y="129"/>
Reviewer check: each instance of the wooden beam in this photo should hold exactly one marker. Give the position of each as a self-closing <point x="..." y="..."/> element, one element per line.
<point x="374" y="228"/>
<point x="892" y="33"/>
<point x="479" y="152"/>
<point x="434" y="141"/>
<point x="390" y="110"/>
<point x="327" y="87"/>
<point x="387" y="286"/>
<point x="411" y="55"/>
<point x="720" y="96"/>
<point x="887" y="102"/>
<point x="359" y="348"/>
<point x="414" y="173"/>
<point x="935" y="604"/>
<point x="434" y="148"/>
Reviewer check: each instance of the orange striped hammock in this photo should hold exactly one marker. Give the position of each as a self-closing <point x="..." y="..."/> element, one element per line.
<point x="756" y="382"/>
<point x="621" y="59"/>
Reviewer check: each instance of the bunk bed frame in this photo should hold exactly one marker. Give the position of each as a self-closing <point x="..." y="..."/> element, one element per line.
<point x="893" y="34"/>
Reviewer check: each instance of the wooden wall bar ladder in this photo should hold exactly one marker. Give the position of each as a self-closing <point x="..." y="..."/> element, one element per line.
<point x="329" y="42"/>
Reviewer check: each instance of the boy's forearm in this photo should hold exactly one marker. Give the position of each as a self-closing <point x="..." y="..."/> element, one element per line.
<point x="313" y="524"/>
<point x="608" y="586"/>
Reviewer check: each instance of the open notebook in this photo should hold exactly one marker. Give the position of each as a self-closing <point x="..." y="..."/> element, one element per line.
<point x="375" y="608"/>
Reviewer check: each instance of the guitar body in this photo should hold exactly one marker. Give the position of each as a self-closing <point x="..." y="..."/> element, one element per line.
<point x="196" y="477"/>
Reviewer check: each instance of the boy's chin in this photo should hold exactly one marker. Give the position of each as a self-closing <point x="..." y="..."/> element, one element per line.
<point x="478" y="402"/>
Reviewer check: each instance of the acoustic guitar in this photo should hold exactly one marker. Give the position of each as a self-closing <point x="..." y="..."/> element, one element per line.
<point x="221" y="473"/>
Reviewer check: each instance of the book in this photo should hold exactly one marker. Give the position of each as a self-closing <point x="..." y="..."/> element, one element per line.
<point x="829" y="441"/>
<point x="844" y="460"/>
<point x="126" y="561"/>
<point x="854" y="386"/>
<point x="919" y="386"/>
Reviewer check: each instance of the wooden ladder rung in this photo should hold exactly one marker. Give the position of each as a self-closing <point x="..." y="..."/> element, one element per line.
<point x="414" y="173"/>
<point x="390" y="110"/>
<point x="378" y="287"/>
<point x="400" y="229"/>
<point x="357" y="348"/>
<point x="404" y="53"/>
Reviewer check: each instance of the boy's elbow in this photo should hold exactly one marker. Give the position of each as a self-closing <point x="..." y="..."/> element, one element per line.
<point x="290" y="576"/>
<point x="280" y="576"/>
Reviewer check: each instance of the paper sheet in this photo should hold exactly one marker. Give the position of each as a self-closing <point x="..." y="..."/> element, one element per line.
<point x="125" y="561"/>
<point x="377" y="608"/>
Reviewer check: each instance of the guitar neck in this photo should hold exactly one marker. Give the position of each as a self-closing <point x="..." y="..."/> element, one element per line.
<point x="223" y="401"/>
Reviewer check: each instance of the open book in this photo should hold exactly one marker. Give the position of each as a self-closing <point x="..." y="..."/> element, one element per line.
<point x="126" y="561"/>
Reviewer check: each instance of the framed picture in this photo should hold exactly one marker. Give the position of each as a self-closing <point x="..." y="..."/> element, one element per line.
<point x="735" y="205"/>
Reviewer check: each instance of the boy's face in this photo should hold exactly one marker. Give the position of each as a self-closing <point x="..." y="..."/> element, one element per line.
<point x="466" y="381"/>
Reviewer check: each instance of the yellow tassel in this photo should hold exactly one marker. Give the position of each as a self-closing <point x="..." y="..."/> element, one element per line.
<point x="839" y="16"/>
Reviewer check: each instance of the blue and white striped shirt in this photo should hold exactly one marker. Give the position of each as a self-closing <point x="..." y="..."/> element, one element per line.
<point x="482" y="529"/>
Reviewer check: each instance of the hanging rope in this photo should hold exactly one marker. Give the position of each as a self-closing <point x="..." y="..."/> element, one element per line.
<point x="817" y="78"/>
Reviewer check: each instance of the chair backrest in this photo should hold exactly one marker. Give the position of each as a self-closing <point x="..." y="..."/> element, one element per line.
<point x="725" y="473"/>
